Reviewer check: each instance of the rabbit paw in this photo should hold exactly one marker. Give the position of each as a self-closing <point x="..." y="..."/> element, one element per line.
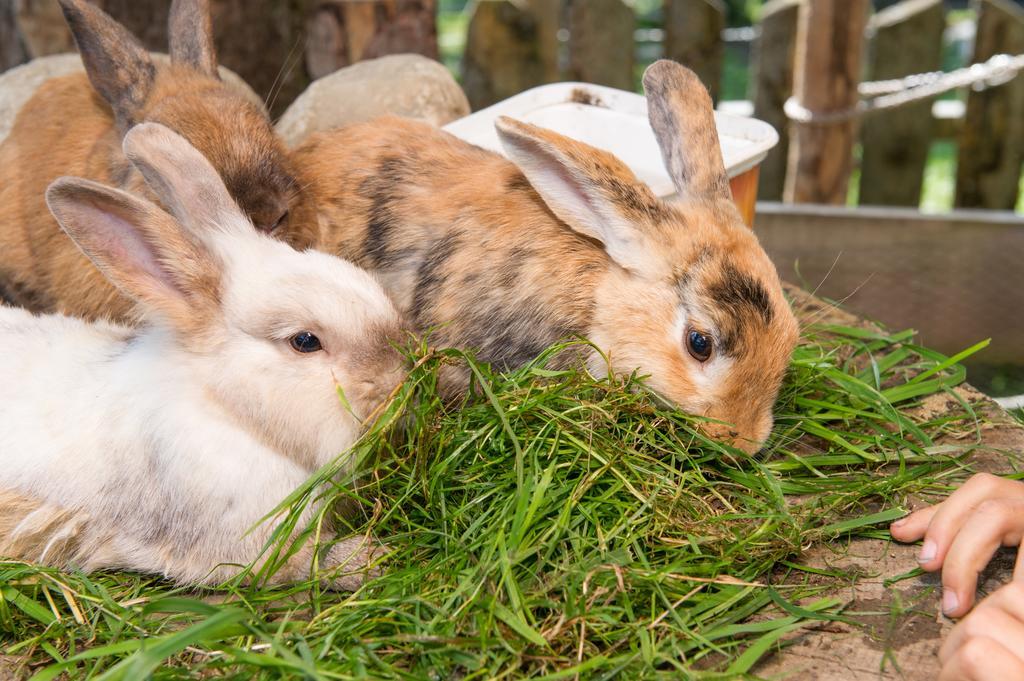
<point x="352" y="561"/>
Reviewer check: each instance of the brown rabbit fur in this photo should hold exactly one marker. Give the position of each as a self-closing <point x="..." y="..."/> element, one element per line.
<point x="507" y="258"/>
<point x="74" y="125"/>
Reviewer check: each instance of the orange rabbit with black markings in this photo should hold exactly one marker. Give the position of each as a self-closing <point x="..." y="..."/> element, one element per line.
<point x="507" y="257"/>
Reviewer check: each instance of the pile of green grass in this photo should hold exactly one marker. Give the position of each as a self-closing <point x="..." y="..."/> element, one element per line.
<point x="556" y="526"/>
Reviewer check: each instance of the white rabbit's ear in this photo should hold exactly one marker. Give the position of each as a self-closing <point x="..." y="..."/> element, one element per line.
<point x="140" y="249"/>
<point x="683" y="119"/>
<point x="588" y="189"/>
<point x="183" y="179"/>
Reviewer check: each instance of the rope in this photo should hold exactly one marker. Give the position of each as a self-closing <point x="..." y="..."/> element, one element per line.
<point x="889" y="94"/>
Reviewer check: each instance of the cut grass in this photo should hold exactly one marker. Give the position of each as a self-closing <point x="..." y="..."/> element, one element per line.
<point x="556" y="526"/>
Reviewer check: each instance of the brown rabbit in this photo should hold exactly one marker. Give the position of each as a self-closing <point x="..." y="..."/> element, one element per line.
<point x="70" y="127"/>
<point x="507" y="257"/>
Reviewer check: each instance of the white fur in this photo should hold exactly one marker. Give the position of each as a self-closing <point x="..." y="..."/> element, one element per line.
<point x="173" y="450"/>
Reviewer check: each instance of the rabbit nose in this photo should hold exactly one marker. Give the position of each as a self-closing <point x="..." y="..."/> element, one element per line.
<point x="731" y="435"/>
<point x="269" y="214"/>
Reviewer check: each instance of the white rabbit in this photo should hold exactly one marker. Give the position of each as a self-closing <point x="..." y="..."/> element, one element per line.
<point x="158" y="448"/>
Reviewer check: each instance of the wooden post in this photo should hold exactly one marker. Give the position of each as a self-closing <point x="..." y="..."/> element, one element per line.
<point x="548" y="15"/>
<point x="771" y="84"/>
<point x="988" y="162"/>
<point x="830" y="39"/>
<point x="907" y="39"/>
<point x="505" y="52"/>
<point x="12" y="47"/>
<point x="342" y="32"/>
<point x="601" y="42"/>
<point x="693" y="37"/>
<point x="42" y="27"/>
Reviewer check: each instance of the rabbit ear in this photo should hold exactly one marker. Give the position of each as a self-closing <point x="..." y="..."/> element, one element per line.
<point x="183" y="180"/>
<point x="589" y="190"/>
<point x="190" y="36"/>
<point x="683" y="119"/>
<point x="140" y="249"/>
<point x="119" y="68"/>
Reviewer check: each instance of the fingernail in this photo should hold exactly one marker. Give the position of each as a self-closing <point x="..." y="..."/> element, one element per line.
<point x="928" y="552"/>
<point x="901" y="521"/>
<point x="949" y="601"/>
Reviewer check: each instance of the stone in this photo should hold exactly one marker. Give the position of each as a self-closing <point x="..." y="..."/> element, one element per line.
<point x="20" y="83"/>
<point x="405" y="85"/>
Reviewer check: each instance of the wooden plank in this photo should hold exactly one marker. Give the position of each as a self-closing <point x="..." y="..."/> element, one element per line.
<point x="906" y="39"/>
<point x="954" y="277"/>
<point x="988" y="168"/>
<point x="342" y="32"/>
<point x="830" y="39"/>
<point x="693" y="30"/>
<point x="601" y="42"/>
<point x="506" y="51"/>
<point x="771" y="84"/>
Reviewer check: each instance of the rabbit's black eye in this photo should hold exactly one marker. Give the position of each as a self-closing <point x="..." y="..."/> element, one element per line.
<point x="698" y="345"/>
<point x="304" y="341"/>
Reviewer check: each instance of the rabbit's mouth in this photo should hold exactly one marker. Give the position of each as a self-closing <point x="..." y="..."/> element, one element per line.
<point x="731" y="435"/>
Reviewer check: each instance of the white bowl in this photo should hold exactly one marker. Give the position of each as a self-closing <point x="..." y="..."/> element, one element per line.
<point x="614" y="120"/>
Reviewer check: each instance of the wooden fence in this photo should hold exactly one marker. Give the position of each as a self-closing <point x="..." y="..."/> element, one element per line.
<point x="955" y="278"/>
<point x="817" y="50"/>
<point x="277" y="46"/>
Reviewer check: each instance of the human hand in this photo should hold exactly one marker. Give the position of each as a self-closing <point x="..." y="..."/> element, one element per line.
<point x="962" y="533"/>
<point x="988" y="644"/>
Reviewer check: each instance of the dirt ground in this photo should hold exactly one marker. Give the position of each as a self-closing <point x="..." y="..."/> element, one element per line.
<point x="900" y="624"/>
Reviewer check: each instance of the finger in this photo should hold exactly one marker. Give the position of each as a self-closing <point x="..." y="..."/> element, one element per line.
<point x="912" y="527"/>
<point x="993" y="523"/>
<point x="1018" y="564"/>
<point x="982" y="659"/>
<point x="952" y="513"/>
<point x="987" y="621"/>
<point x="1009" y="598"/>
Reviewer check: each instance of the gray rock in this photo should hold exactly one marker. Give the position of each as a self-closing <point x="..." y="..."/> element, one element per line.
<point x="19" y="84"/>
<point x="402" y="84"/>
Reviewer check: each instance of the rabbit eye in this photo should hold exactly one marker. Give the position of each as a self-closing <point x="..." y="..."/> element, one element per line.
<point x="698" y="345"/>
<point x="304" y="341"/>
<point x="281" y="222"/>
